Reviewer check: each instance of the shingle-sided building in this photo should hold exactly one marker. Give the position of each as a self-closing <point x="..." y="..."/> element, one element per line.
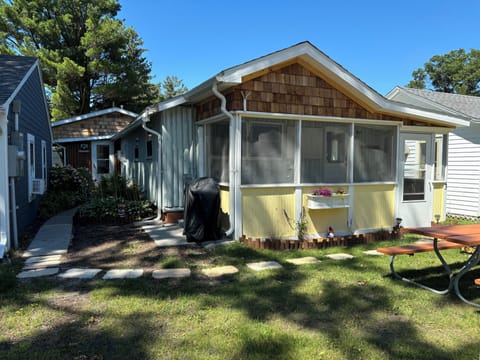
<point x="25" y="145"/>
<point x="274" y="130"/>
<point x="85" y="140"/>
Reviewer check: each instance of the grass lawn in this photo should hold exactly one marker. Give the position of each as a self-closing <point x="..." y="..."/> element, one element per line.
<point x="349" y="309"/>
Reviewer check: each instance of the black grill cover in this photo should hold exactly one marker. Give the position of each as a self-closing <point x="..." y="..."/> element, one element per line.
<point x="202" y="207"/>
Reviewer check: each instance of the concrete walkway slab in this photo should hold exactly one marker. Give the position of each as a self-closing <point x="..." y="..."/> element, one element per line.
<point x="165" y="236"/>
<point x="37" y="273"/>
<point x="38" y="259"/>
<point x="77" y="273"/>
<point x="171" y="273"/>
<point x="220" y="271"/>
<point x="123" y="274"/>
<point x="303" y="260"/>
<point x="339" y="256"/>
<point x="42" y="262"/>
<point x="264" y="265"/>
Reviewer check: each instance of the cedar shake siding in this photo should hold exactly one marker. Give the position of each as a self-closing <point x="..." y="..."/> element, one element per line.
<point x="292" y="89"/>
<point x="105" y="125"/>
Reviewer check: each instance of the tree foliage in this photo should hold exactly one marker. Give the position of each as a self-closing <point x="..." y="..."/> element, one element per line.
<point x="455" y="72"/>
<point x="171" y="87"/>
<point x="90" y="60"/>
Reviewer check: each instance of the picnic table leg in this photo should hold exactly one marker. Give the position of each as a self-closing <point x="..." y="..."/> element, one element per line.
<point x="472" y="261"/>
<point x="410" y="281"/>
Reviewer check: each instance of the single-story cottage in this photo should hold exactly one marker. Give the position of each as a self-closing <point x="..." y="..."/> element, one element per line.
<point x="275" y="130"/>
<point x="25" y="146"/>
<point x="463" y="174"/>
<point x="85" y="140"/>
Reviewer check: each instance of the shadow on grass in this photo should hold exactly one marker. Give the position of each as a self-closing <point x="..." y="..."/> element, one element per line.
<point x="360" y="320"/>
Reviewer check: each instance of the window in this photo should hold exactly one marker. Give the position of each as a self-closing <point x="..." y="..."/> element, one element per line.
<point x="136" y="150"/>
<point x="375" y="153"/>
<point x="440" y="156"/>
<point x="324" y="152"/>
<point x="103" y="159"/>
<point x="149" y="146"/>
<point x="44" y="162"/>
<point x="268" y="149"/>
<point x="217" y="149"/>
<point x="30" y="164"/>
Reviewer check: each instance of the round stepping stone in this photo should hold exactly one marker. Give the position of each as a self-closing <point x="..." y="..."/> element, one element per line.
<point x="372" y="253"/>
<point x="171" y="273"/>
<point x="303" y="260"/>
<point x="123" y="274"/>
<point x="264" y="265"/>
<point x="37" y="273"/>
<point x="220" y="271"/>
<point x="339" y="256"/>
<point x="76" y="273"/>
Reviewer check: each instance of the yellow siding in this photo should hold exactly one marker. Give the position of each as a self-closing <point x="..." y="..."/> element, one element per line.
<point x="263" y="212"/>
<point x="373" y="206"/>
<point x="438" y="200"/>
<point x="224" y="207"/>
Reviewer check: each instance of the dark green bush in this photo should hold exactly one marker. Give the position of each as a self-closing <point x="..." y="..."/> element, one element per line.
<point x="116" y="186"/>
<point x="67" y="188"/>
<point x="110" y="209"/>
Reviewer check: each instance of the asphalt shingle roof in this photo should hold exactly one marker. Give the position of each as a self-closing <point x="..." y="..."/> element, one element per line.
<point x="465" y="104"/>
<point x="12" y="71"/>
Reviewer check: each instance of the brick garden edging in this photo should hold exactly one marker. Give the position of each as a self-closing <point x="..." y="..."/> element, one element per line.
<point x="320" y="243"/>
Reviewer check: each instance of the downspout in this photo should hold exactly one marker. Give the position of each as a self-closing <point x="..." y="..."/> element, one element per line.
<point x="4" y="193"/>
<point x="145" y="119"/>
<point x="232" y="184"/>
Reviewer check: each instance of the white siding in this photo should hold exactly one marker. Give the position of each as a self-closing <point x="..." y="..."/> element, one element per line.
<point x="463" y="186"/>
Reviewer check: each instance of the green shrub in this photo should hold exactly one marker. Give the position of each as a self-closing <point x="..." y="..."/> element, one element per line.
<point x="116" y="186"/>
<point x="110" y="209"/>
<point x="67" y="188"/>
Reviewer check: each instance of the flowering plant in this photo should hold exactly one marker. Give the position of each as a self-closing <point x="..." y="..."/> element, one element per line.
<point x="323" y="192"/>
<point x="340" y="190"/>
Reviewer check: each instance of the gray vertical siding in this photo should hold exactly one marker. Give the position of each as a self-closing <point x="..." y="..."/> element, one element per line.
<point x="176" y="127"/>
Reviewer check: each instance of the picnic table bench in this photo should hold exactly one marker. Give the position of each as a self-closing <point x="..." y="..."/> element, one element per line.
<point x="444" y="238"/>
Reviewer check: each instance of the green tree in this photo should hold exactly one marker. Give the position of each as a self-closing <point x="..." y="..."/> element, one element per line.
<point x="90" y="60"/>
<point x="171" y="87"/>
<point x="455" y="72"/>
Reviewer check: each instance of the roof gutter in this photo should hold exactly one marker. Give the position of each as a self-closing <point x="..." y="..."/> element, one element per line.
<point x="232" y="177"/>
<point x="145" y="119"/>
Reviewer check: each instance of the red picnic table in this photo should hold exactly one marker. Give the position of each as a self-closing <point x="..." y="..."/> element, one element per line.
<point x="444" y="237"/>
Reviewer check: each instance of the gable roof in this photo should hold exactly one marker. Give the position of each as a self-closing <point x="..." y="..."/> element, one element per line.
<point x="455" y="103"/>
<point x="319" y="63"/>
<point x="94" y="114"/>
<point x="14" y="70"/>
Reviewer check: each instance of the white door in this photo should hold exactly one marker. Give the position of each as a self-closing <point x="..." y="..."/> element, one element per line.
<point x="415" y="195"/>
<point x="102" y="159"/>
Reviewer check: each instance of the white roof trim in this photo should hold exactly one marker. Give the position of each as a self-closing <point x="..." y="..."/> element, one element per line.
<point x="85" y="138"/>
<point x="94" y="114"/>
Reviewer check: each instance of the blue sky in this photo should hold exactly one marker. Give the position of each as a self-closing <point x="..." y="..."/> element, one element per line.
<point x="380" y="42"/>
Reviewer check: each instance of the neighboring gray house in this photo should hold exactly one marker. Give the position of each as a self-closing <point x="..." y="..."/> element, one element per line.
<point x="25" y="145"/>
<point x="463" y="174"/>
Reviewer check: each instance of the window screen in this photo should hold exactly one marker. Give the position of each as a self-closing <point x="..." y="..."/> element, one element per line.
<point x="217" y="150"/>
<point x="268" y="148"/>
<point x="324" y="152"/>
<point x="375" y="153"/>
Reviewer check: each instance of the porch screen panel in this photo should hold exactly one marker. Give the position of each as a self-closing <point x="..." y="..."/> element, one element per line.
<point x="375" y="153"/>
<point x="268" y="149"/>
<point x="217" y="140"/>
<point x="324" y="152"/>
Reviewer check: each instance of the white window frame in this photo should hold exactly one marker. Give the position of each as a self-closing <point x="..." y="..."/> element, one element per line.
<point x="31" y="171"/>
